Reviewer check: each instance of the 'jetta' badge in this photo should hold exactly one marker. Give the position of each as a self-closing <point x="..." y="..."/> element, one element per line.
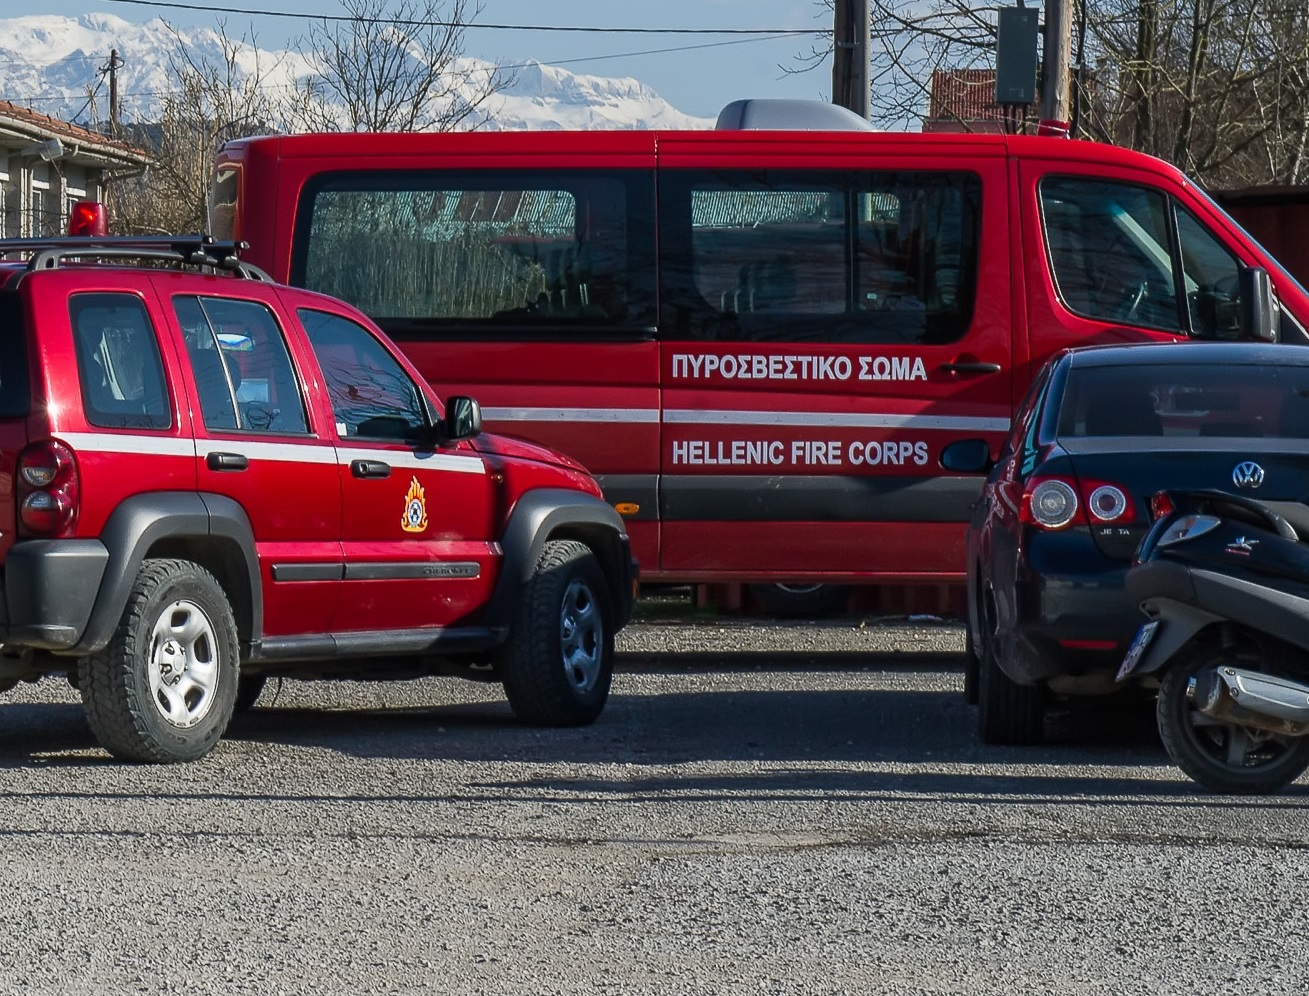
<point x="1248" y="474"/>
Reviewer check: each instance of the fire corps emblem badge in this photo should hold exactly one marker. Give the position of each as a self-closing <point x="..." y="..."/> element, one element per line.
<point x="414" y="519"/>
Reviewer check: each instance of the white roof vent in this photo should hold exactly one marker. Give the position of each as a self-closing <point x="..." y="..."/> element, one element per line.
<point x="788" y="115"/>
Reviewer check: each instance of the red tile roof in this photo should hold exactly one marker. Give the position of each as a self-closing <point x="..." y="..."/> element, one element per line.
<point x="23" y="119"/>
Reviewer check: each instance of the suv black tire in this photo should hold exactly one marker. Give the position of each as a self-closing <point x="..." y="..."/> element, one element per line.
<point x="558" y="662"/>
<point x="127" y="686"/>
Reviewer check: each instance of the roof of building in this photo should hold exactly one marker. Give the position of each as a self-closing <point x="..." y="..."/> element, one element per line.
<point x="24" y="124"/>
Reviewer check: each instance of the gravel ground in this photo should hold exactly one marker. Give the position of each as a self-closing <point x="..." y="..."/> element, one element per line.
<point x="798" y="809"/>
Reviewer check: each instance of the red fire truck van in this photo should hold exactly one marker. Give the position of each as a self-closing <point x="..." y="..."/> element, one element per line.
<point x="758" y="340"/>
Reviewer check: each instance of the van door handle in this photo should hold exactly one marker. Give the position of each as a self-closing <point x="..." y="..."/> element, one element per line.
<point x="974" y="367"/>
<point x="227" y="461"/>
<point x="370" y="468"/>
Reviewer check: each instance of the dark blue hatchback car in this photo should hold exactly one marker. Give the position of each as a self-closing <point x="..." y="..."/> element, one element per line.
<point x="1066" y="503"/>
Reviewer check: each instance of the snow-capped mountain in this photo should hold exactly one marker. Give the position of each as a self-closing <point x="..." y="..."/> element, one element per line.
<point x="55" y="65"/>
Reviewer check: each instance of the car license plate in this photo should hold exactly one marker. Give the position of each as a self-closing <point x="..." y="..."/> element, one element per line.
<point x="1138" y="648"/>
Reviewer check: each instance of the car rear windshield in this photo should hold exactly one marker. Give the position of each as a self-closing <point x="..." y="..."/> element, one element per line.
<point x="15" y="393"/>
<point x="1187" y="400"/>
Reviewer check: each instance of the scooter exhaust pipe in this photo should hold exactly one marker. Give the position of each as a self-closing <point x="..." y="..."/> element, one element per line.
<point x="1251" y="698"/>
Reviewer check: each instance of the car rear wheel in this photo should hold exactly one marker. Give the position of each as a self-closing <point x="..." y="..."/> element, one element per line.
<point x="558" y="662"/>
<point x="164" y="688"/>
<point x="1007" y="712"/>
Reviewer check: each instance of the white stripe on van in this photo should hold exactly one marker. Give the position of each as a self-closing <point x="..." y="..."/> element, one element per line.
<point x="965" y="423"/>
<point x="572" y="414"/>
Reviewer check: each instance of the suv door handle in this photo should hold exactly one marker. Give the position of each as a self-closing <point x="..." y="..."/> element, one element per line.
<point x="227" y="461"/>
<point x="370" y="468"/>
<point x="975" y="367"/>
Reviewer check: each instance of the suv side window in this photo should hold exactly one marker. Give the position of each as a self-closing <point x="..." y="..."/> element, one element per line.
<point x="118" y="362"/>
<point x="372" y="395"/>
<point x="242" y="369"/>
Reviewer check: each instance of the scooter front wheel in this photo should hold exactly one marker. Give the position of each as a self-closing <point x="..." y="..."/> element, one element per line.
<point x="1223" y="757"/>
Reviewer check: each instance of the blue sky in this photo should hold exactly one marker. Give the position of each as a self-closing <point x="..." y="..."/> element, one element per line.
<point x="698" y="80"/>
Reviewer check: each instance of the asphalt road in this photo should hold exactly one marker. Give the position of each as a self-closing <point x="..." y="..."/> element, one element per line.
<point x="742" y="819"/>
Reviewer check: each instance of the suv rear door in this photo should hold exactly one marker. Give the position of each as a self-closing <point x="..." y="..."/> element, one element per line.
<point x="255" y="443"/>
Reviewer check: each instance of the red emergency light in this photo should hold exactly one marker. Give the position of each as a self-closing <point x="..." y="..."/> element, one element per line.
<point x="88" y="218"/>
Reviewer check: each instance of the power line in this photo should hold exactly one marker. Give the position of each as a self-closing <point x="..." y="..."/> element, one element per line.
<point x="470" y="26"/>
<point x="51" y="98"/>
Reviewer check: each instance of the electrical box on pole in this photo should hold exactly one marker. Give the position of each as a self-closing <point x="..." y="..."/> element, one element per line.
<point x="1015" y="55"/>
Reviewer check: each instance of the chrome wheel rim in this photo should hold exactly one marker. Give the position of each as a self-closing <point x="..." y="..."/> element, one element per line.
<point x="581" y="632"/>
<point x="183" y="664"/>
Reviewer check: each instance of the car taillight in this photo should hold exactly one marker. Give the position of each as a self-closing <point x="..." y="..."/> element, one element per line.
<point x="1058" y="502"/>
<point x="1161" y="504"/>
<point x="1108" y="504"/>
<point x="1049" y="502"/>
<point x="47" y="490"/>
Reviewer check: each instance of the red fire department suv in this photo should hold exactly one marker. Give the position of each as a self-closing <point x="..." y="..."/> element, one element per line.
<point x="207" y="478"/>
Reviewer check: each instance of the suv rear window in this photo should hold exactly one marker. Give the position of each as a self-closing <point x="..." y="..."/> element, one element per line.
<point x="15" y="391"/>
<point x="118" y="362"/>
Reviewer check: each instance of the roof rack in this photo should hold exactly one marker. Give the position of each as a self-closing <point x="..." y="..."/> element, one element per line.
<point x="189" y="250"/>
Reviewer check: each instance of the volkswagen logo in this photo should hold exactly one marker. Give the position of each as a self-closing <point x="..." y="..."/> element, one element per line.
<point x="1248" y="475"/>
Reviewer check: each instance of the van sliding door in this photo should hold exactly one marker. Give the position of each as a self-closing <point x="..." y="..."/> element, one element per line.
<point x="831" y="317"/>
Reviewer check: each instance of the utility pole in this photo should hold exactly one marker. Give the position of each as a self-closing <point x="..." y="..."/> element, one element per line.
<point x="850" y="37"/>
<point x="111" y="70"/>
<point x="1056" y="64"/>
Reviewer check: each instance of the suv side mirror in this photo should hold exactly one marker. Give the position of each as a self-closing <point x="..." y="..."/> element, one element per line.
<point x="1258" y="312"/>
<point x="463" y="419"/>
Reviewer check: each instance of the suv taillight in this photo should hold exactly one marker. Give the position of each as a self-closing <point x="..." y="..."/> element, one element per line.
<point x="47" y="490"/>
<point x="1059" y="502"/>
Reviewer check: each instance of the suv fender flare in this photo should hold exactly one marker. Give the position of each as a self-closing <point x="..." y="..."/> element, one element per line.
<point x="143" y="521"/>
<point x="556" y="513"/>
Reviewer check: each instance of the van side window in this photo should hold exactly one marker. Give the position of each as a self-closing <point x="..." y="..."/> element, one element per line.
<point x="1111" y="254"/>
<point x="818" y="256"/>
<point x="1212" y="281"/>
<point x="223" y="203"/>
<point x="118" y="362"/>
<point x="482" y="252"/>
<point x="243" y="373"/>
<point x="1110" y="251"/>
<point x="372" y="395"/>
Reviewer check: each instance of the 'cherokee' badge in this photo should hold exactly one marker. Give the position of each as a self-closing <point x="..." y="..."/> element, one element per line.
<point x="1248" y="475"/>
<point x="415" y="518"/>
